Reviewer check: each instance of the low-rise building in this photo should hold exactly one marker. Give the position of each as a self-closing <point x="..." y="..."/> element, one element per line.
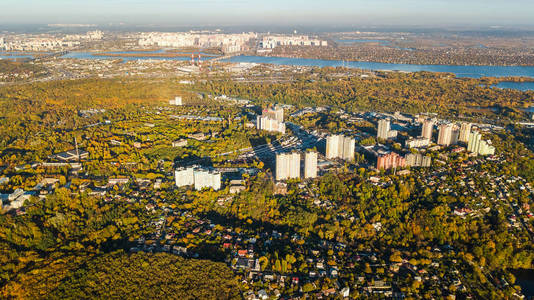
<point x="180" y="143"/>
<point x="420" y="142"/>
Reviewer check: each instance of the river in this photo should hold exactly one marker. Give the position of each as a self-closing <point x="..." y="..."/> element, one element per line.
<point x="525" y="279"/>
<point x="459" y="71"/>
<point x="522" y="86"/>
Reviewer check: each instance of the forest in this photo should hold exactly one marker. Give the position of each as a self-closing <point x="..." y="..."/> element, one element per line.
<point x="71" y="243"/>
<point x="387" y="92"/>
<point x="12" y="71"/>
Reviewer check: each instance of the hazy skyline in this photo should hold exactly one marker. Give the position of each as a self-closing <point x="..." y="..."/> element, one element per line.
<point x="274" y="12"/>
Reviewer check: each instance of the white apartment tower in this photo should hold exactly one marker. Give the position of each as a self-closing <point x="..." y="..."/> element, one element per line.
<point x="465" y="131"/>
<point x="176" y="101"/>
<point x="282" y="171"/>
<point x="310" y="164"/>
<point x="207" y="179"/>
<point x="200" y="178"/>
<point x="384" y="126"/>
<point x="426" y="130"/>
<point x="333" y="148"/>
<point x="272" y="119"/>
<point x="339" y="146"/>
<point x="268" y="124"/>
<point x="184" y="176"/>
<point x="448" y="134"/>
<point x="287" y="166"/>
<point x="479" y="146"/>
<point x="294" y="165"/>
<point x="349" y="146"/>
<point x="276" y="113"/>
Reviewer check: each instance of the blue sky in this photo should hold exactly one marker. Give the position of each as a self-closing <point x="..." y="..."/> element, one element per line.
<point x="283" y="12"/>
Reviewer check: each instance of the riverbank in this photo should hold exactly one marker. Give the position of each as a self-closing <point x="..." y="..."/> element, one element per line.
<point x="516" y="85"/>
<point x="402" y="54"/>
<point x="162" y="54"/>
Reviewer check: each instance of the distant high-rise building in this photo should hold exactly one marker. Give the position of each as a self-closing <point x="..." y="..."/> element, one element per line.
<point x="282" y="166"/>
<point x="207" y="179"/>
<point x="333" y="148"/>
<point x="294" y="165"/>
<point x="272" y="119"/>
<point x="465" y="131"/>
<point x="445" y="133"/>
<point x="176" y="101"/>
<point x="448" y="134"/>
<point x="473" y="144"/>
<point x="184" y="177"/>
<point x="276" y="113"/>
<point x="268" y="124"/>
<point x="426" y="130"/>
<point x="287" y="166"/>
<point x="349" y="146"/>
<point x="310" y="164"/>
<point x="479" y="146"/>
<point x="199" y="177"/>
<point x="384" y="127"/>
<point x="390" y="161"/>
<point x="339" y="146"/>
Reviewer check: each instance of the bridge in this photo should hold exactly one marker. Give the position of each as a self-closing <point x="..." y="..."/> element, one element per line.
<point x="227" y="56"/>
<point x="51" y="55"/>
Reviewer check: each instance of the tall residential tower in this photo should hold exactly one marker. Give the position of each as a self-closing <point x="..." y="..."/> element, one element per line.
<point x="339" y="146"/>
<point x="310" y="164"/>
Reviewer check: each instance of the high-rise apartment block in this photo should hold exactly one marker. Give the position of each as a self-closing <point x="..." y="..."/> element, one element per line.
<point x="207" y="179"/>
<point x="390" y="161"/>
<point x="426" y="130"/>
<point x="384" y="130"/>
<point x="268" y="124"/>
<point x="176" y="101"/>
<point x="332" y="146"/>
<point x="310" y="164"/>
<point x="272" y="119"/>
<point x="339" y="146"/>
<point x="448" y="134"/>
<point x="479" y="146"/>
<point x="276" y="113"/>
<point x="228" y="42"/>
<point x="287" y="166"/>
<point x="273" y="41"/>
<point x="349" y="145"/>
<point x="199" y="177"/>
<point x="418" y="160"/>
<point x="465" y="131"/>
<point x="184" y="176"/>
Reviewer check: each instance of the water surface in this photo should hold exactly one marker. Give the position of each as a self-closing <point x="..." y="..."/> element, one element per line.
<point x="459" y="71"/>
<point x="522" y="86"/>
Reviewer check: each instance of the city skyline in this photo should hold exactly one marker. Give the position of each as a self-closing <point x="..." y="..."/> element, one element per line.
<point x="277" y="12"/>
